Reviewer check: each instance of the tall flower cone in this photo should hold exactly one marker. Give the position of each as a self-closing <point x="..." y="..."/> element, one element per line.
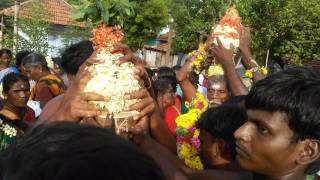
<point x="111" y="79"/>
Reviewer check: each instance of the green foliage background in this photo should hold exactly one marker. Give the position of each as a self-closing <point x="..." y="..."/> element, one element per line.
<point x="33" y="27"/>
<point x="149" y="17"/>
<point x="137" y="17"/>
<point x="289" y="29"/>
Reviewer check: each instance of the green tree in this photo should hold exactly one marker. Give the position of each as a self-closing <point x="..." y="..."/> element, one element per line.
<point x="139" y="18"/>
<point x="35" y="29"/>
<point x="112" y="12"/>
<point x="148" y="18"/>
<point x="194" y="18"/>
<point x="73" y="34"/>
<point x="289" y="29"/>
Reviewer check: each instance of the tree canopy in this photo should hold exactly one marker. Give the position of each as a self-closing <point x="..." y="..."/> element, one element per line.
<point x="137" y="17"/>
<point x="288" y="28"/>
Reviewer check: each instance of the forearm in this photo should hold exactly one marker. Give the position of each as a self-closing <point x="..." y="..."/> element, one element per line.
<point x="248" y="64"/>
<point x="189" y="91"/>
<point x="236" y="86"/>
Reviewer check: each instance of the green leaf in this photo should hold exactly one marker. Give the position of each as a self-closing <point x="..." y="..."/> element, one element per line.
<point x="78" y="15"/>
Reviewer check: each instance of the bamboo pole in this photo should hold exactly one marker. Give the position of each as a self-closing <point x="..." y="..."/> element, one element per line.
<point x="1" y="31"/>
<point x="15" y="25"/>
<point x="168" y="59"/>
<point x="267" y="59"/>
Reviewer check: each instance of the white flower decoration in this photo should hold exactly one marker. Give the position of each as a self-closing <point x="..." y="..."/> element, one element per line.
<point x="50" y="62"/>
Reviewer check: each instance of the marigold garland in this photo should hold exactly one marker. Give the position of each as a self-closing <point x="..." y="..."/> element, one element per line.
<point x="196" y="57"/>
<point x="249" y="73"/>
<point x="188" y="142"/>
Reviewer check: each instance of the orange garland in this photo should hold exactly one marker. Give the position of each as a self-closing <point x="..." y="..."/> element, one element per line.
<point x="106" y="36"/>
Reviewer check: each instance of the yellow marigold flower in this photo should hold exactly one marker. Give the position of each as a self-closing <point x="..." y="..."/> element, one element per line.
<point x="196" y="133"/>
<point x="187" y="120"/>
<point x="196" y="62"/>
<point x="194" y="163"/>
<point x="215" y="70"/>
<point x="185" y="151"/>
<point x="264" y="71"/>
<point x="248" y="74"/>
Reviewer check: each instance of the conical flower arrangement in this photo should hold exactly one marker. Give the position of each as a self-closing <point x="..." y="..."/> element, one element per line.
<point x="111" y="79"/>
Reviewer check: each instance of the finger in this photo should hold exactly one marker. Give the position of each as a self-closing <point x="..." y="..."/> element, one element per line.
<point x="138" y="70"/>
<point x="84" y="79"/>
<point x="219" y="43"/>
<point x="139" y="106"/>
<point x="90" y="61"/>
<point x="146" y="111"/>
<point x="143" y="125"/>
<point x="140" y="94"/>
<point x="84" y="106"/>
<point x="122" y="48"/>
<point x="90" y="121"/>
<point x="87" y="114"/>
<point x="215" y="51"/>
<point x="140" y="81"/>
<point x="232" y="47"/>
<point x="127" y="58"/>
<point x="91" y="96"/>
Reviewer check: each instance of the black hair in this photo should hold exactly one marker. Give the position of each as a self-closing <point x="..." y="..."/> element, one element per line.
<point x="221" y="122"/>
<point x="176" y="67"/>
<point x="67" y="151"/>
<point x="296" y="93"/>
<point x="34" y="60"/>
<point x="160" y="86"/>
<point x="20" y="55"/>
<point x="12" y="78"/>
<point x="5" y="51"/>
<point x="237" y="100"/>
<point x="150" y="72"/>
<point x="57" y="60"/>
<point x="74" y="56"/>
<point x="168" y="73"/>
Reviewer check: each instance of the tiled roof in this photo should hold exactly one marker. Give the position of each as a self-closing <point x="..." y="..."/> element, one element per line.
<point x="56" y="11"/>
<point x="313" y="63"/>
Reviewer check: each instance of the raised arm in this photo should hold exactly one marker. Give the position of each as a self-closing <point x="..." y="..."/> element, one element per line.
<point x="187" y="87"/>
<point x="225" y="57"/>
<point x="248" y="60"/>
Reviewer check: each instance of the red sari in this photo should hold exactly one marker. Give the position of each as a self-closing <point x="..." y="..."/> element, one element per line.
<point x="171" y="114"/>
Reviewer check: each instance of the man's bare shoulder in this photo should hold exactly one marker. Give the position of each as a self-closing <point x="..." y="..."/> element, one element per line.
<point x="50" y="108"/>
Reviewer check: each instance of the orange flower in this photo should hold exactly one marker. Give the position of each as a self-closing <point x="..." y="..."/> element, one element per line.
<point x="106" y="36"/>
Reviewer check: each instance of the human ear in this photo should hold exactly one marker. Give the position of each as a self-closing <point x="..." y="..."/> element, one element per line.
<point x="220" y="147"/>
<point x="310" y="152"/>
<point x="5" y="95"/>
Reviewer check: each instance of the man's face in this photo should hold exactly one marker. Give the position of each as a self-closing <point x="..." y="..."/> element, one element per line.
<point x="5" y="60"/>
<point x="217" y="93"/>
<point x="264" y="144"/>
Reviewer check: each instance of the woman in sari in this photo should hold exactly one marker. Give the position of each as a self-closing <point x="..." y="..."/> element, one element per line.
<point x="15" y="112"/>
<point x="47" y="85"/>
<point x="5" y="60"/>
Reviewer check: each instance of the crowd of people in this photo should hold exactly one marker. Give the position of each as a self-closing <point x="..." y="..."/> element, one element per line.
<point x="48" y="128"/>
